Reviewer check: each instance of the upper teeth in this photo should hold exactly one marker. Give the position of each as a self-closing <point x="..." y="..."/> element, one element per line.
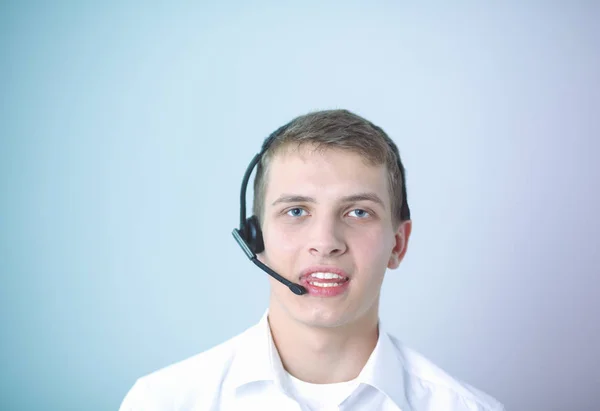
<point x="326" y="276"/>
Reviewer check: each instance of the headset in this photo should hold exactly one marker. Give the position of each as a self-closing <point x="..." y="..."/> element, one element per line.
<point x="249" y="235"/>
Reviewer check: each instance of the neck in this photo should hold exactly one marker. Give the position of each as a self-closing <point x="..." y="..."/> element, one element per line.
<point x="323" y="355"/>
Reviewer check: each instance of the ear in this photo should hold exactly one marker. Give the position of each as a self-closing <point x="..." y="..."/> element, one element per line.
<point x="401" y="237"/>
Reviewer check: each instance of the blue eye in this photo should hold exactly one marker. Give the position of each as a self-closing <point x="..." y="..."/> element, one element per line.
<point x="359" y="213"/>
<point x="295" y="212"/>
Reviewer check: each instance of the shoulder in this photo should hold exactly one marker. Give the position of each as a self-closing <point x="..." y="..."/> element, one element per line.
<point x="430" y="383"/>
<point x="179" y="385"/>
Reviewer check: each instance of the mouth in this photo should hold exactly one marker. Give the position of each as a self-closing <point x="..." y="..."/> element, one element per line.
<point x="325" y="281"/>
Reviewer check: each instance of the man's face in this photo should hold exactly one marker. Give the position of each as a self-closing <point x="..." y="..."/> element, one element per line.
<point x="328" y="214"/>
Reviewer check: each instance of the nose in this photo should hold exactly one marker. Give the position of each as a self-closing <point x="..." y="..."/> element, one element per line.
<point x="326" y="238"/>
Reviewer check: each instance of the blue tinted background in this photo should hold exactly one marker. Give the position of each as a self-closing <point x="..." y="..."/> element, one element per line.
<point x="126" y="128"/>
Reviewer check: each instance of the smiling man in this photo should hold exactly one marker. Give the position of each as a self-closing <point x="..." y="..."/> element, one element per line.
<point x="330" y="217"/>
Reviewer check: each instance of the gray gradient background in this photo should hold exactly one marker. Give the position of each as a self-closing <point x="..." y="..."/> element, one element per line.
<point x="126" y="128"/>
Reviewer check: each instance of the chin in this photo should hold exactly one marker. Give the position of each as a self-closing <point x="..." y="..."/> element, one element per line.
<point x="325" y="318"/>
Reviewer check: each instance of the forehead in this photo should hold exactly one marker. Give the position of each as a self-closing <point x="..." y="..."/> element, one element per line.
<point x="324" y="173"/>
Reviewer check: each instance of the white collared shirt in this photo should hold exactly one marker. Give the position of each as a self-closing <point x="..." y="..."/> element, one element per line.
<point x="245" y="373"/>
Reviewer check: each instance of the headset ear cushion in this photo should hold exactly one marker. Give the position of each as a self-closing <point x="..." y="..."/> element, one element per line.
<point x="254" y="235"/>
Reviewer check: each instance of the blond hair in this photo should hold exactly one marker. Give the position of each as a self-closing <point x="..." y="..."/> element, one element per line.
<point x="341" y="130"/>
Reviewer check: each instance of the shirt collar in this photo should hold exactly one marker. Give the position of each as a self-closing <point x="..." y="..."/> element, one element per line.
<point x="384" y="370"/>
<point x="257" y="360"/>
<point x="256" y="357"/>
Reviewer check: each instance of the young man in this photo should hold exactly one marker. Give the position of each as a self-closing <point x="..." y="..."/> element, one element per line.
<point x="330" y="201"/>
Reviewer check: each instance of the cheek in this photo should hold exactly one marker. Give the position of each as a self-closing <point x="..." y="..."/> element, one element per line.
<point x="373" y="247"/>
<point x="281" y="239"/>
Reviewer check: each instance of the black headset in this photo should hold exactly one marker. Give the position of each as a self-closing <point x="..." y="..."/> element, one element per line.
<point x="249" y="235"/>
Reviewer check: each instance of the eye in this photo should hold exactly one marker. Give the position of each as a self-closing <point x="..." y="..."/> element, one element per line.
<point x="296" y="212"/>
<point x="359" y="213"/>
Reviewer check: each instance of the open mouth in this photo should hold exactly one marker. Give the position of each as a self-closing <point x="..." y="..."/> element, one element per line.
<point x="325" y="283"/>
<point x="325" y="280"/>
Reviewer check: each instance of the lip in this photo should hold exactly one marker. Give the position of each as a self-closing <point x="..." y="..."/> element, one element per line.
<point x="324" y="291"/>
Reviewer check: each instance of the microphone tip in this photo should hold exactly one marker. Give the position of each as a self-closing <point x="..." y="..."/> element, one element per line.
<point x="297" y="289"/>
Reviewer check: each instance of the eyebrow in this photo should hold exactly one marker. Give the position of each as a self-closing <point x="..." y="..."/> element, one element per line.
<point x="291" y="198"/>
<point x="363" y="197"/>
